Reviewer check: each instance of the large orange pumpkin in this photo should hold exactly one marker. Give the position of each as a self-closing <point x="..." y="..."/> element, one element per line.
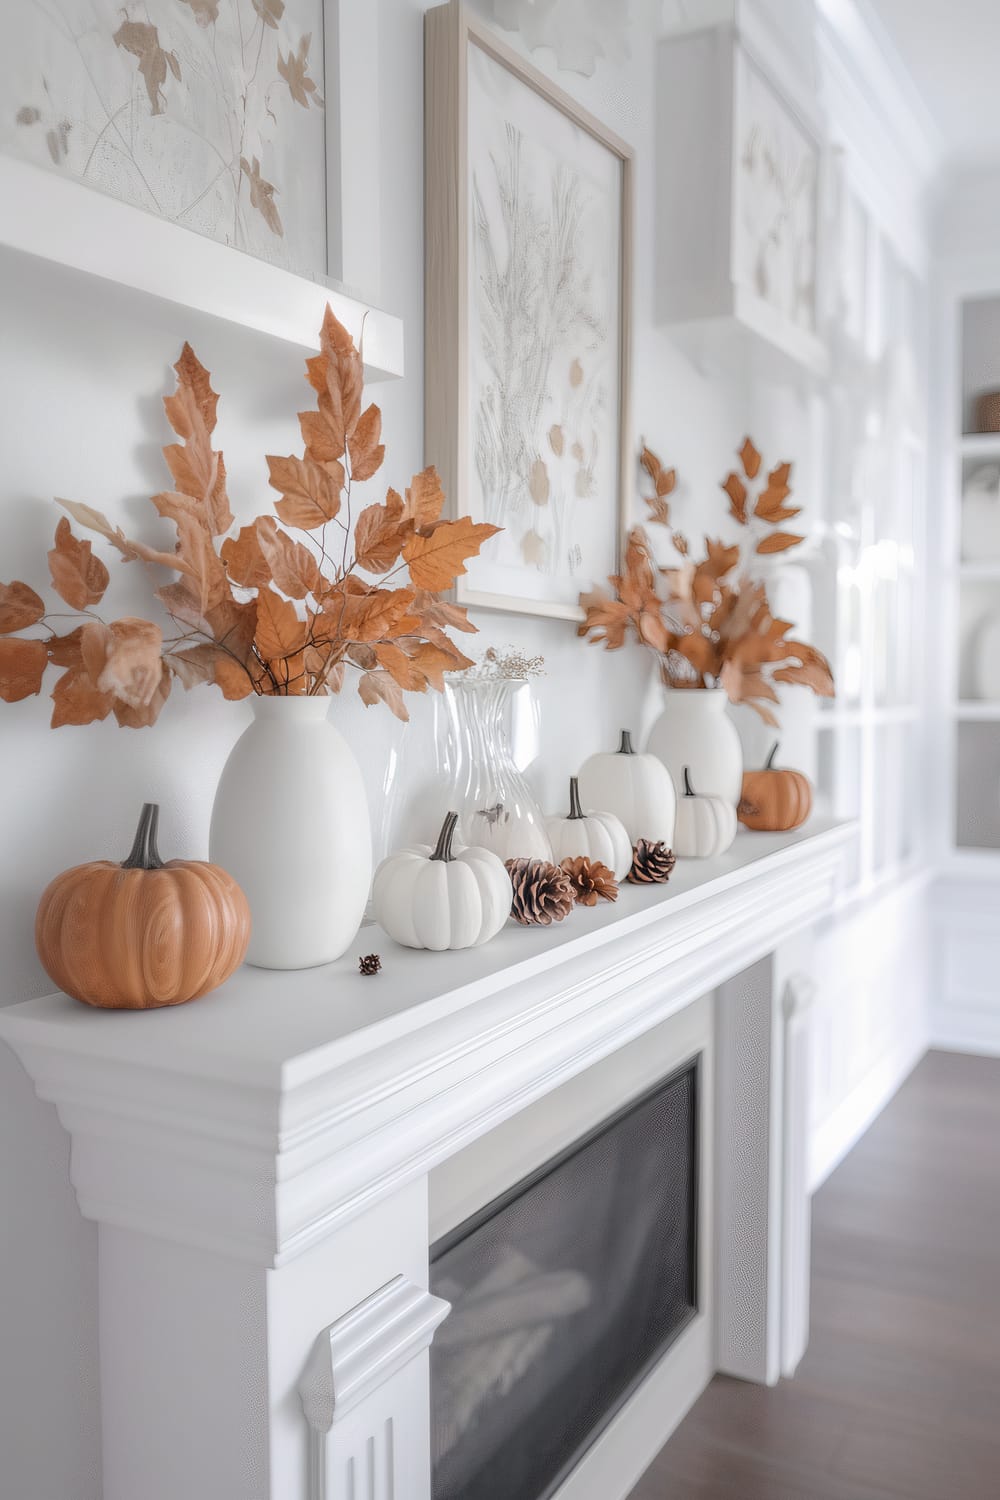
<point x="142" y="934"/>
<point x="774" y="799"/>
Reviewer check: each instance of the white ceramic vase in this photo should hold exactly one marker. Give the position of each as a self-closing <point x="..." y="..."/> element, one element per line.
<point x="695" y="730"/>
<point x="290" y="824"/>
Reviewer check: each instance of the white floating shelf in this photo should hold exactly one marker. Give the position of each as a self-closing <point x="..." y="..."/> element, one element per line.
<point x="61" y="220"/>
<point x="984" y="572"/>
<point x="979" y="711"/>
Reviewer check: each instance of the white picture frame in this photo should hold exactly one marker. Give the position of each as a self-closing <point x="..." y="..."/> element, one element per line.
<point x="512" y="159"/>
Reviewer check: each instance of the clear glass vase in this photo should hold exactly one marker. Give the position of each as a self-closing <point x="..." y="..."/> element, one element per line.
<point x="496" y="810"/>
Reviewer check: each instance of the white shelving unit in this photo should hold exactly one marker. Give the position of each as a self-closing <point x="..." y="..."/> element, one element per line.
<point x="968" y="735"/>
<point x="868" y="755"/>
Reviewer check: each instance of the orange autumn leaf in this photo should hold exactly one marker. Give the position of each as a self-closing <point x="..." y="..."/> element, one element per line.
<point x="664" y="481"/>
<point x="437" y="559"/>
<point x="377" y="615"/>
<point x="22" y="666"/>
<point x="770" y="504"/>
<point x="750" y="459"/>
<point x="400" y="666"/>
<point x="434" y="660"/>
<point x="310" y="491"/>
<point x="76" y="699"/>
<point x="124" y="659"/>
<point x="280" y="631"/>
<point x="335" y="374"/>
<point x="78" y="576"/>
<point x="381" y="687"/>
<point x="779" y="541"/>
<point x="379" y="534"/>
<point x="145" y="715"/>
<point x="244" y="560"/>
<point x="196" y="468"/>
<point x="367" y="452"/>
<point x="439" y="612"/>
<point x="294" y="568"/>
<point x="737" y="492"/>
<point x="20" y="607"/>
<point x="66" y="650"/>
<point x="424" y="498"/>
<point x="811" y="671"/>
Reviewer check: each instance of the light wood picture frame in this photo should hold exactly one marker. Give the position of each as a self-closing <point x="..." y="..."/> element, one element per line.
<point x="528" y="293"/>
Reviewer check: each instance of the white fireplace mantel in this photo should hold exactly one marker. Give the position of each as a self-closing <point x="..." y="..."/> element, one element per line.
<point x="258" y="1160"/>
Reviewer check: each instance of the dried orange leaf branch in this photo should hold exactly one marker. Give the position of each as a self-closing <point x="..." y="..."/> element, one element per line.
<point x="709" y="622"/>
<point x="262" y="610"/>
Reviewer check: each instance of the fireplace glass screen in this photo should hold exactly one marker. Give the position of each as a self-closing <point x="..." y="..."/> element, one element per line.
<point x="564" y="1292"/>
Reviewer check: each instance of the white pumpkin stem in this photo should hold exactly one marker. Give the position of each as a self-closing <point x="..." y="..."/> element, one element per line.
<point x="575" y="806"/>
<point x="769" y="763"/>
<point x="626" y="747"/>
<point x="689" y="790"/>
<point x="442" y="849"/>
<point x="144" y="854"/>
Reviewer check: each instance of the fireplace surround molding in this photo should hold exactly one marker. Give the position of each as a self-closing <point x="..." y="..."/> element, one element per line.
<point x="258" y="1162"/>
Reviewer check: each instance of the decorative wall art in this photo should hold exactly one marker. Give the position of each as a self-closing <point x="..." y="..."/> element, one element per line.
<point x="528" y="274"/>
<point x="209" y="113"/>
<point x="777" y="200"/>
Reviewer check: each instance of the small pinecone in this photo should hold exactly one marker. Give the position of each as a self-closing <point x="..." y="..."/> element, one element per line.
<point x="370" y="963"/>
<point x="651" y="862"/>
<point x="543" y="893"/>
<point x="591" y="880"/>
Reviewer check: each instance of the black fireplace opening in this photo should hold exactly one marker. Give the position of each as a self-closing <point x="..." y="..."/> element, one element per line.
<point x="565" y="1292"/>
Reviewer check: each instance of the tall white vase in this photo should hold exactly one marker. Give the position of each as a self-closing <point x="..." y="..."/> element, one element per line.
<point x="695" y="730"/>
<point x="290" y="824"/>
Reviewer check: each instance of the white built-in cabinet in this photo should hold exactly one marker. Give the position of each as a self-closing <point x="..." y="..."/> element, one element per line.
<point x="740" y="202"/>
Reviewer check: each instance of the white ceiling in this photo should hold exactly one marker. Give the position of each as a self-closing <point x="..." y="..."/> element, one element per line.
<point x="951" y="49"/>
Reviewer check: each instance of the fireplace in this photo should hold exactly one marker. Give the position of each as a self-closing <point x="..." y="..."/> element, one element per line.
<point x="565" y="1291"/>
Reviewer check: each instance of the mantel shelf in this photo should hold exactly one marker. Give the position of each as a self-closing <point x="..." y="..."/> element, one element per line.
<point x="335" y="1087"/>
<point x="61" y="220"/>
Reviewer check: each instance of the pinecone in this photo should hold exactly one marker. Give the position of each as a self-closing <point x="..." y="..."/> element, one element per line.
<point x="590" y="879"/>
<point x="543" y="893"/>
<point x="652" y="862"/>
<point x="369" y="963"/>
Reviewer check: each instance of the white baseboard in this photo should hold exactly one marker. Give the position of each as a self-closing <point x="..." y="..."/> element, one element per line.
<point x="832" y="1140"/>
<point x="972" y="1030"/>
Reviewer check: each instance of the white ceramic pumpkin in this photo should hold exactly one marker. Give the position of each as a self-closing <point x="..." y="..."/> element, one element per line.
<point x="595" y="835"/>
<point x="706" y="826"/>
<point x="636" y="788"/>
<point x="442" y="897"/>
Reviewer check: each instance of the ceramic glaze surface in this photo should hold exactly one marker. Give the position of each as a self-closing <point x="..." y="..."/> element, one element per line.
<point x="290" y="824"/>
<point x="637" y="789"/>
<point x="695" y="730"/>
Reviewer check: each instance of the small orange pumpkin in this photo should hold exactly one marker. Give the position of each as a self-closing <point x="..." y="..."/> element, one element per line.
<point x="774" y="800"/>
<point x="142" y="934"/>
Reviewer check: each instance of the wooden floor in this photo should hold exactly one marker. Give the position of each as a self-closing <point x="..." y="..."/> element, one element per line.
<point x="899" y="1393"/>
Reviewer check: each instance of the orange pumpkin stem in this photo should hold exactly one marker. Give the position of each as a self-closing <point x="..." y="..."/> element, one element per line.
<point x="769" y="763"/>
<point x="144" y="854"/>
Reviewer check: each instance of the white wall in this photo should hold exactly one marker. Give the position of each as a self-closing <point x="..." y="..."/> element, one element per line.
<point x="82" y="371"/>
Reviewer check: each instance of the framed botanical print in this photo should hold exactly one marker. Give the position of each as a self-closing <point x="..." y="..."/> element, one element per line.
<point x="527" y="346"/>
<point x="207" y="113"/>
